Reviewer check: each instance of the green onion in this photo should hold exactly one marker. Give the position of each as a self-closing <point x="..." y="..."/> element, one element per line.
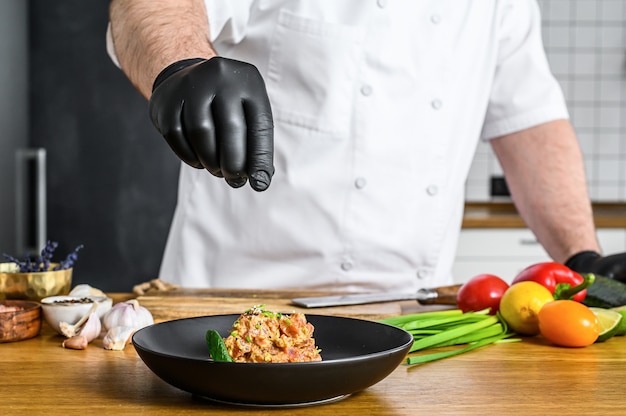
<point x="454" y="332"/>
<point x="420" y="359"/>
<point x="449" y="328"/>
<point x="401" y="319"/>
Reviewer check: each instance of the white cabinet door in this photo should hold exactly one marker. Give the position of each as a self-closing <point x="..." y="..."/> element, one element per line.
<point x="612" y="240"/>
<point x="506" y="251"/>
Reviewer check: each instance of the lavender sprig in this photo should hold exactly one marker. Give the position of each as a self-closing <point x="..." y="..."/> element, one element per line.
<point x="46" y="255"/>
<point x="28" y="263"/>
<point x="69" y="260"/>
<point x="18" y="262"/>
<point x="42" y="262"/>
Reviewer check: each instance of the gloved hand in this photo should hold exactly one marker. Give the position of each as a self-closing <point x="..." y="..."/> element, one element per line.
<point x="613" y="266"/>
<point x="215" y="114"/>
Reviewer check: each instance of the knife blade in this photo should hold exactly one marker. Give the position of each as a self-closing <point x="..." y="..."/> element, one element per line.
<point x="444" y="295"/>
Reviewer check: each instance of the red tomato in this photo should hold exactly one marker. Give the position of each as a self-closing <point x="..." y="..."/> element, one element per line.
<point x="481" y="292"/>
<point x="568" y="323"/>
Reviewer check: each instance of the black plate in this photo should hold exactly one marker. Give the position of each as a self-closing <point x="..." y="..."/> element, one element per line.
<point x="356" y="354"/>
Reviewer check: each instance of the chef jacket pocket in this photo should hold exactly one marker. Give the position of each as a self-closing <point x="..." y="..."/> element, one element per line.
<point x="311" y="74"/>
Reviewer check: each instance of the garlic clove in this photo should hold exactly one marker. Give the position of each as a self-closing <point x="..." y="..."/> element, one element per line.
<point x="118" y="337"/>
<point x="70" y="330"/>
<point x="78" y="342"/>
<point x="91" y="329"/>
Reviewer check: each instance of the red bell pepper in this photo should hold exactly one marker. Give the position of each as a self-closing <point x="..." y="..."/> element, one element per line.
<point x="559" y="279"/>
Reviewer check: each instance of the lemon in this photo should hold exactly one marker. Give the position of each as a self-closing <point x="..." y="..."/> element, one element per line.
<point x="610" y="322"/>
<point x="520" y="306"/>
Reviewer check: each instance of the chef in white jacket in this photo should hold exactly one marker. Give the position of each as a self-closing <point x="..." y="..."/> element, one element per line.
<point x="354" y="122"/>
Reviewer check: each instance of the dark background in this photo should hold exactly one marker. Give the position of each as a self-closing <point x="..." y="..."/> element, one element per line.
<point x="111" y="177"/>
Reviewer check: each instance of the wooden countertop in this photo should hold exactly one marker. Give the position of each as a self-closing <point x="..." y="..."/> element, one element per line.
<point x="504" y="215"/>
<point x="529" y="377"/>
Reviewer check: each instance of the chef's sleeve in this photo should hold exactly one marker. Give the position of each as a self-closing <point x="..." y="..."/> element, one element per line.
<point x="524" y="91"/>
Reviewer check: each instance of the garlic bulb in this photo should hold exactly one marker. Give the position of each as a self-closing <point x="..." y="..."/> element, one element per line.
<point x="127" y="314"/>
<point x="86" y="291"/>
<point x="117" y="337"/>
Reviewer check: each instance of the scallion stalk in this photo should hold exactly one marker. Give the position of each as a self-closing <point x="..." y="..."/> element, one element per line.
<point x="424" y="358"/>
<point x="449" y="328"/>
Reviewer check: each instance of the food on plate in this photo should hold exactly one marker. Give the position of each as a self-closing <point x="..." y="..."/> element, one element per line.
<point x="483" y="291"/>
<point x="568" y="323"/>
<point x="216" y="345"/>
<point x="261" y="336"/>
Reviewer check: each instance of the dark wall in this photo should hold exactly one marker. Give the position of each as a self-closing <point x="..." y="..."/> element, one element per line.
<point x="111" y="177"/>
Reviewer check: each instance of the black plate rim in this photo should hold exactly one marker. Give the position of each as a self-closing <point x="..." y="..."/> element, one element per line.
<point x="365" y="357"/>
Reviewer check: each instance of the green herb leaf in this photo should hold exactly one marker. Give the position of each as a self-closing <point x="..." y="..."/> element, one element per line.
<point x="216" y="345"/>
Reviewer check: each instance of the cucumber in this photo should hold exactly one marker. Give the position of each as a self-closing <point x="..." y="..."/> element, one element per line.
<point x="605" y="293"/>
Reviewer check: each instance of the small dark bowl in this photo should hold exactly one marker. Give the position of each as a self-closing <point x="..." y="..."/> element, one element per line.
<point x="21" y="324"/>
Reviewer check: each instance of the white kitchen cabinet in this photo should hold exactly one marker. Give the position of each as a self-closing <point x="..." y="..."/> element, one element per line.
<point x="506" y="251"/>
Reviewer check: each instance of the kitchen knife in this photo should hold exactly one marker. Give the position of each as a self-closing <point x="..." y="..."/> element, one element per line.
<point x="445" y="295"/>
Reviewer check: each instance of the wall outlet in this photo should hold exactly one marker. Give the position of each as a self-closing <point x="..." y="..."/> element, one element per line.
<point x="498" y="187"/>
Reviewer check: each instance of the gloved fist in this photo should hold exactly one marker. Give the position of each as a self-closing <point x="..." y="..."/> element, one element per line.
<point x="613" y="266"/>
<point x="215" y="114"/>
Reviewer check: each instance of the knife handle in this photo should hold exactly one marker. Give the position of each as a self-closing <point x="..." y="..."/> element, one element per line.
<point x="444" y="295"/>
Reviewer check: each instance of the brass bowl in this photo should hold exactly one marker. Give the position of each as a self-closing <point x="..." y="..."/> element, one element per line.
<point x="33" y="286"/>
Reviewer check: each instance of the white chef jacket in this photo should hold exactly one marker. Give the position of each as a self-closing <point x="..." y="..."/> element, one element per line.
<point x="378" y="107"/>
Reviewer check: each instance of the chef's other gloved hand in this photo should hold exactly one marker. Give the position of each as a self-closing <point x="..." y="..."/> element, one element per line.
<point x="613" y="266"/>
<point x="215" y="114"/>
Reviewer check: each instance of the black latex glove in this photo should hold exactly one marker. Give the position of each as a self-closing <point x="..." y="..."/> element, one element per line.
<point x="215" y="114"/>
<point x="613" y="266"/>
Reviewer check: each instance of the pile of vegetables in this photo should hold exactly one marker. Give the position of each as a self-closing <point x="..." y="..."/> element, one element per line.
<point x="545" y="299"/>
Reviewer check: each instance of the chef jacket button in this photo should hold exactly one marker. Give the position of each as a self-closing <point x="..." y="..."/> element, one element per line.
<point x="435" y="19"/>
<point x="382" y="3"/>
<point x="346" y="266"/>
<point x="436" y="104"/>
<point x="422" y="274"/>
<point x="366" y="90"/>
<point x="432" y="190"/>
<point x="360" y="183"/>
